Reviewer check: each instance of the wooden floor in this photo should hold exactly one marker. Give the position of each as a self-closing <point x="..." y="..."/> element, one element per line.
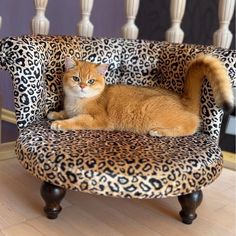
<point x="83" y="214"/>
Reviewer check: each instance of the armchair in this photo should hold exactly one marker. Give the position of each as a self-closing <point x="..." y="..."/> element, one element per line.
<point x="111" y="163"/>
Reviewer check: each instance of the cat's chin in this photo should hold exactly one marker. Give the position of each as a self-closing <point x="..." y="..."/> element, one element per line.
<point x="88" y="95"/>
<point x="78" y="93"/>
<point x="81" y="95"/>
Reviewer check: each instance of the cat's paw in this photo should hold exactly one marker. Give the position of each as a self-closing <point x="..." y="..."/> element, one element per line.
<point x="52" y="115"/>
<point x="154" y="133"/>
<point x="58" y="126"/>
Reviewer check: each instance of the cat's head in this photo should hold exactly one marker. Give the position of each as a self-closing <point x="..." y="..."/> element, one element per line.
<point x="83" y="79"/>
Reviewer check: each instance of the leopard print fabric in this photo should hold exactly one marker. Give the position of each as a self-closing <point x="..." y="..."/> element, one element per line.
<point x="111" y="163"/>
<point x="120" y="164"/>
<point x="36" y="64"/>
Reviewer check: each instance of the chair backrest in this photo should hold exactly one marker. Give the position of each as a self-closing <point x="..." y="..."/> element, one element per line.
<point x="36" y="64"/>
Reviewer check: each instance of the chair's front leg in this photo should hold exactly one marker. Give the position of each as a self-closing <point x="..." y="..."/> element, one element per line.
<point x="189" y="204"/>
<point x="52" y="195"/>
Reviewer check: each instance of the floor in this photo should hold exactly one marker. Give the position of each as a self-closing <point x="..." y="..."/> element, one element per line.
<point x="84" y="214"/>
<point x="229" y="160"/>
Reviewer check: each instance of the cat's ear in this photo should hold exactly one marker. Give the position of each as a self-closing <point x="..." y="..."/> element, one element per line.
<point x="69" y="63"/>
<point x="102" y="69"/>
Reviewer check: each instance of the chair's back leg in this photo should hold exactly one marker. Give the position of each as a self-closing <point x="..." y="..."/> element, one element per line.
<point x="189" y="204"/>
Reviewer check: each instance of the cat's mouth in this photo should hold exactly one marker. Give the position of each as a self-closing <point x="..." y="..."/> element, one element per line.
<point x="83" y="91"/>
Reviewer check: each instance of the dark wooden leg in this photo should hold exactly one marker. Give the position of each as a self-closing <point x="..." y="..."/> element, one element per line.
<point x="189" y="204"/>
<point x="52" y="195"/>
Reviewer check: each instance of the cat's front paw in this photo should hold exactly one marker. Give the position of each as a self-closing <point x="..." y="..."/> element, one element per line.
<point x="52" y="115"/>
<point x="58" y="125"/>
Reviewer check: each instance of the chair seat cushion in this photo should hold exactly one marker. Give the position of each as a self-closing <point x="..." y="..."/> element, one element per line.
<point x="123" y="164"/>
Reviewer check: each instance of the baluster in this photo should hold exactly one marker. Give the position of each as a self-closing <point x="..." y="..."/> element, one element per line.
<point x="175" y="34"/>
<point x="40" y="24"/>
<point x="130" y="30"/>
<point x="85" y="27"/>
<point x="223" y="37"/>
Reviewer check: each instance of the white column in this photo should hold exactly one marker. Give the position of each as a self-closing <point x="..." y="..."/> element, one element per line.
<point x="85" y="27"/>
<point x="40" y="24"/>
<point x="223" y="37"/>
<point x="0" y="22"/>
<point x="130" y="30"/>
<point x="175" y="34"/>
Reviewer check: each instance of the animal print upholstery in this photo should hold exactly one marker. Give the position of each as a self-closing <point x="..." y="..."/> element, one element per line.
<point x="120" y="164"/>
<point x="111" y="163"/>
<point x="36" y="64"/>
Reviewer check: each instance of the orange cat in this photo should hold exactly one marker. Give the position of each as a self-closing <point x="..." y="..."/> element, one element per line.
<point x="90" y="104"/>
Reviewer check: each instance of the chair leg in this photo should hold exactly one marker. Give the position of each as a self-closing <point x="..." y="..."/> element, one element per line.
<point x="189" y="204"/>
<point x="52" y="195"/>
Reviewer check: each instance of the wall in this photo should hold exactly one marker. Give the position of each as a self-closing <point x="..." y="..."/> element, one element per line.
<point x="199" y="23"/>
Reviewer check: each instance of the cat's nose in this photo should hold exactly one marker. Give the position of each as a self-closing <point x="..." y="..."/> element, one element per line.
<point x="82" y="86"/>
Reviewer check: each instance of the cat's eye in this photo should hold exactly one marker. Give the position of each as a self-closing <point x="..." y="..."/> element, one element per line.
<point x="91" y="81"/>
<point x="76" y="78"/>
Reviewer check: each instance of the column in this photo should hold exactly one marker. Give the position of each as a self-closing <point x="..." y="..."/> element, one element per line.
<point x="175" y="34"/>
<point x="85" y="27"/>
<point x="223" y="37"/>
<point x="40" y="24"/>
<point x="130" y="30"/>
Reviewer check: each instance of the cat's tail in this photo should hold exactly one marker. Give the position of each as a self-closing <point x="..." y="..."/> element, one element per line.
<point x="215" y="72"/>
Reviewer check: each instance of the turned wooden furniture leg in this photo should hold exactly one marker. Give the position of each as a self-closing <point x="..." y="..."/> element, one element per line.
<point x="189" y="204"/>
<point x="52" y="195"/>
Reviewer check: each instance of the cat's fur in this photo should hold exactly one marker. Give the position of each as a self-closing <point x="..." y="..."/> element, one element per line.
<point x="90" y="104"/>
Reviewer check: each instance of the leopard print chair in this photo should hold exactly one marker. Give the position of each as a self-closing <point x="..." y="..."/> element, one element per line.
<point x="111" y="163"/>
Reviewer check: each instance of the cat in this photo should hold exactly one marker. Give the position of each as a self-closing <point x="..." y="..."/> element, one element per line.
<point x="90" y="104"/>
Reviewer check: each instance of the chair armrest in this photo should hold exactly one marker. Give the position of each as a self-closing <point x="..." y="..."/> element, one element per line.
<point x="25" y="61"/>
<point x="173" y="61"/>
